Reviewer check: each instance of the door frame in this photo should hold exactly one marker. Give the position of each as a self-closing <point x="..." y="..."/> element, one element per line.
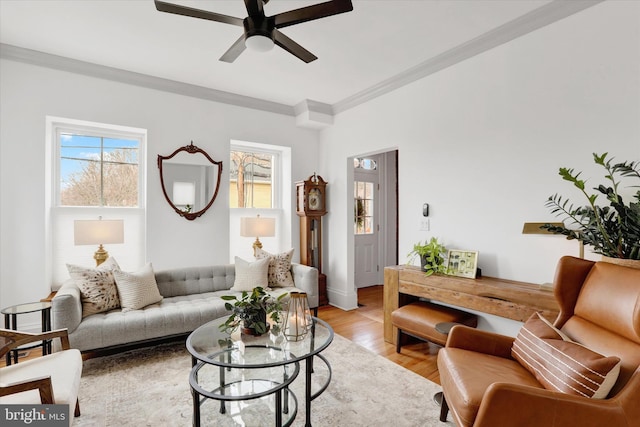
<point x="388" y="218"/>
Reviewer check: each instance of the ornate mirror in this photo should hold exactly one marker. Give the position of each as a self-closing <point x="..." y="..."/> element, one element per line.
<point x="190" y="180"/>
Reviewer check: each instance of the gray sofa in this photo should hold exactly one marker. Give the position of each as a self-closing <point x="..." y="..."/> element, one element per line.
<point x="191" y="298"/>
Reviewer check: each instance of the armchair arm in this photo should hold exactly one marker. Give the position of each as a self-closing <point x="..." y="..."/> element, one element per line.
<point x="13" y="339"/>
<point x="511" y="405"/>
<point x="305" y="278"/>
<point x="42" y="384"/>
<point x="480" y="341"/>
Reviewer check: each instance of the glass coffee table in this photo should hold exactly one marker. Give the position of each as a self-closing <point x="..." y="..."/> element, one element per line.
<point x="251" y="376"/>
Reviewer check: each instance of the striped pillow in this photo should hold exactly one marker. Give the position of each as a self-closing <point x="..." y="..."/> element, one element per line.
<point x="560" y="364"/>
<point x="137" y="290"/>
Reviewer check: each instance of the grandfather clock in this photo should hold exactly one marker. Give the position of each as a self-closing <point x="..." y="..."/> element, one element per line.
<point x="311" y="207"/>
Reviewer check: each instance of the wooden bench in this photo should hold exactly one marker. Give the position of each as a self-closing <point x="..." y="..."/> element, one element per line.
<point x="419" y="319"/>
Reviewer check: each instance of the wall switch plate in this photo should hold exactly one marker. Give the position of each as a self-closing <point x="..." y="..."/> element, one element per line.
<point x="424" y="224"/>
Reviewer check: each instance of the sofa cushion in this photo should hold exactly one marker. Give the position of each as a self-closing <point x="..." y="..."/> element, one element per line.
<point x="137" y="290"/>
<point x="563" y="365"/>
<point x="279" y="268"/>
<point x="98" y="290"/>
<point x="250" y="274"/>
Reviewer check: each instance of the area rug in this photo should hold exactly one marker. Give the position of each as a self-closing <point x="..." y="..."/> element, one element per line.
<point x="149" y="387"/>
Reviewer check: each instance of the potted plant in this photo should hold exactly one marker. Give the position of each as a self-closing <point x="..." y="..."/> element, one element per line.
<point x="251" y="310"/>
<point x="612" y="230"/>
<point x="432" y="256"/>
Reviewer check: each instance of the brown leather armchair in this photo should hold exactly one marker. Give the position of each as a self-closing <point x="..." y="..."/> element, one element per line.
<point x="600" y="308"/>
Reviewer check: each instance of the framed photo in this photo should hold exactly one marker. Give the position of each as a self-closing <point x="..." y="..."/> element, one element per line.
<point x="462" y="263"/>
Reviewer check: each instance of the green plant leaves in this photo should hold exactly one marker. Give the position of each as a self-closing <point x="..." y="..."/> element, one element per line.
<point x="612" y="230"/>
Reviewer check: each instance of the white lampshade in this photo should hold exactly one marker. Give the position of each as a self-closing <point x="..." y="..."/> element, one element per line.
<point x="184" y="193"/>
<point x="257" y="227"/>
<point x="259" y="43"/>
<point x="98" y="231"/>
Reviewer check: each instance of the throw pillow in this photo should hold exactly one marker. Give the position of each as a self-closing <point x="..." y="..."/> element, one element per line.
<point x="279" y="268"/>
<point x="98" y="292"/>
<point x="250" y="274"/>
<point x="137" y="290"/>
<point x="563" y="365"/>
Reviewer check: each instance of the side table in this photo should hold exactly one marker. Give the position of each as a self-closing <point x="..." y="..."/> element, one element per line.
<point x="11" y="322"/>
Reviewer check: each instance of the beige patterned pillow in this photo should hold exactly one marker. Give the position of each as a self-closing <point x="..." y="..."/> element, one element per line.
<point x="137" y="290"/>
<point x="98" y="291"/>
<point x="250" y="275"/>
<point x="279" y="268"/>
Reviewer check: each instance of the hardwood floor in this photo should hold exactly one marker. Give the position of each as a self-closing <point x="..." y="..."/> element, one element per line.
<point x="364" y="326"/>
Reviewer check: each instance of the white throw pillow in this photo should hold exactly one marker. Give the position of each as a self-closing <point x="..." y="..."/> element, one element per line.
<point x="98" y="291"/>
<point x="279" y="268"/>
<point x="250" y="275"/>
<point x="137" y="290"/>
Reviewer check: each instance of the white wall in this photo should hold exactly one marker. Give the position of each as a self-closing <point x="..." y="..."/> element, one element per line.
<point x="29" y="93"/>
<point x="482" y="142"/>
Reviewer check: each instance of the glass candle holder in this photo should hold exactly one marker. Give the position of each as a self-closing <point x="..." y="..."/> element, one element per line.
<point x="297" y="321"/>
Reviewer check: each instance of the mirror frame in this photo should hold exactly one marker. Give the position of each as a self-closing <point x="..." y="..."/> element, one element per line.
<point x="190" y="149"/>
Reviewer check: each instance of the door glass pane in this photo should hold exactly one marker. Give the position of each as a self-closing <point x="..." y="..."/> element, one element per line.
<point x="363" y="207"/>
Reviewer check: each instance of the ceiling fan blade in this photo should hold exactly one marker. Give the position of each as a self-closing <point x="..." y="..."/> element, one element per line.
<point x="197" y="13"/>
<point x="292" y="47"/>
<point x="254" y="7"/>
<point x="234" y="51"/>
<point x="309" y="13"/>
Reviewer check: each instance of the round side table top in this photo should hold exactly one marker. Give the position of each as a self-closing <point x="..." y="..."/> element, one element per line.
<point x="26" y="308"/>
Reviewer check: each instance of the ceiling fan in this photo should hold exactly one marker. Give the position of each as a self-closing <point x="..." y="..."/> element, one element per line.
<point x="260" y="31"/>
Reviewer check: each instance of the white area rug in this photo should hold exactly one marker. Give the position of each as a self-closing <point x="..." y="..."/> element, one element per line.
<point x="150" y="387"/>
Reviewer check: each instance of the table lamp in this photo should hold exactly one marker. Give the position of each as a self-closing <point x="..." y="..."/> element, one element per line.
<point x="257" y="227"/>
<point x="98" y="232"/>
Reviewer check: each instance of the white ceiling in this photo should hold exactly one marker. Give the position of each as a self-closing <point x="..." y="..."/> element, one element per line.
<point x="379" y="44"/>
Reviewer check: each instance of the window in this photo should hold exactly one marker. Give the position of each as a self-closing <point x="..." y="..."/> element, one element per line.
<point x="363" y="206"/>
<point x="96" y="170"/>
<point x="364" y="163"/>
<point x="252" y="178"/>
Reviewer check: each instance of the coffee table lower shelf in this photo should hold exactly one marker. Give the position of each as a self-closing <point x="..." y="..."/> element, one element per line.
<point x="235" y="397"/>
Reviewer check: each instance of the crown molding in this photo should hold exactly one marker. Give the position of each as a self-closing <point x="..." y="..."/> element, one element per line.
<point x="62" y="63"/>
<point x="538" y="18"/>
<point x="311" y="113"/>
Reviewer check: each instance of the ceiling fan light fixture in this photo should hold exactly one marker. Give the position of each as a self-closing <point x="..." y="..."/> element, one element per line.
<point x="259" y="43"/>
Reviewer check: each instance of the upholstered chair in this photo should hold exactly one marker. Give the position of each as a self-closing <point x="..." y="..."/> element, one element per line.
<point x="50" y="379"/>
<point x="485" y="385"/>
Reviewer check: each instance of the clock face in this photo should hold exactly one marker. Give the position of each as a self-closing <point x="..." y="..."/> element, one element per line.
<point x="315" y="202"/>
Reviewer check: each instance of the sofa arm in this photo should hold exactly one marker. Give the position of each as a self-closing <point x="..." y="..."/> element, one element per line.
<point x="480" y="341"/>
<point x="305" y="278"/>
<point x="512" y="405"/>
<point x="66" y="307"/>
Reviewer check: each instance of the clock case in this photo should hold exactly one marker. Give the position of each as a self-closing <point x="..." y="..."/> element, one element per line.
<point x="311" y="207"/>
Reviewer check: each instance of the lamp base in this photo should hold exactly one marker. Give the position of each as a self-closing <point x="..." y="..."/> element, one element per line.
<point x="100" y="256"/>
<point x="257" y="244"/>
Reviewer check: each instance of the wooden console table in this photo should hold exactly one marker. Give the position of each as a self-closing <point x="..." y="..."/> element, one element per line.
<point x="506" y="298"/>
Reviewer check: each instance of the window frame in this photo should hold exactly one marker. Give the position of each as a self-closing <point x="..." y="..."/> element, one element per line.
<point x="59" y="247"/>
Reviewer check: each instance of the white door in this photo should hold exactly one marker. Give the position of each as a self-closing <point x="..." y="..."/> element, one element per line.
<point x="366" y="222"/>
